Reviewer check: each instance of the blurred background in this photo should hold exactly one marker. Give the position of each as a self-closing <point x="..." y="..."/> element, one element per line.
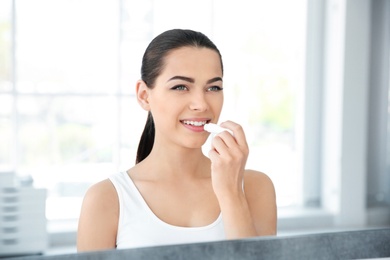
<point x="307" y="79"/>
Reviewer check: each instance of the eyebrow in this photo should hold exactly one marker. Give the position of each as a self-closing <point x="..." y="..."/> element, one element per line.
<point x="191" y="80"/>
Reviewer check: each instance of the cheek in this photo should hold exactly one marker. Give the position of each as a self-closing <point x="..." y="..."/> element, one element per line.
<point x="216" y="104"/>
<point x="163" y="108"/>
<point x="157" y="103"/>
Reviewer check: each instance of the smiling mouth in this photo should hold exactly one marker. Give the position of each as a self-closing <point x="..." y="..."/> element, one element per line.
<point x="195" y="123"/>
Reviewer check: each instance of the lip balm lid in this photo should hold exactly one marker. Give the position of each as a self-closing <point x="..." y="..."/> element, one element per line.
<point x="215" y="129"/>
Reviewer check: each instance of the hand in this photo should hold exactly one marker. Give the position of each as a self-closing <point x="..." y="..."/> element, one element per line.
<point x="228" y="157"/>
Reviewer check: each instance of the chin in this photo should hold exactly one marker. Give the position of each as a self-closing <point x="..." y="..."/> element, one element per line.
<point x="195" y="145"/>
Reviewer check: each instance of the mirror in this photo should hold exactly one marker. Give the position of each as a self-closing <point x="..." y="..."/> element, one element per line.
<point x="307" y="80"/>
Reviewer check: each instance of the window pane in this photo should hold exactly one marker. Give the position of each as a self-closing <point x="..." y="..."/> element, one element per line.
<point x="133" y="119"/>
<point x="136" y="31"/>
<point x="5" y="45"/>
<point x="66" y="144"/>
<point x="6" y="134"/>
<point x="58" y="130"/>
<point x="200" y="17"/>
<point x="263" y="53"/>
<point x="67" y="46"/>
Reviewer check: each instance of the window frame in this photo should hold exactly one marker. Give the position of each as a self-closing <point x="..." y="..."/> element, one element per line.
<point x="378" y="153"/>
<point x="348" y="46"/>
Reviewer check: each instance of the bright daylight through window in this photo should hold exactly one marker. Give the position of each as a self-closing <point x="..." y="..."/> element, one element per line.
<point x="68" y="115"/>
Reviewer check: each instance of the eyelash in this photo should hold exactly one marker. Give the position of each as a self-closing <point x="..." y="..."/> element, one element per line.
<point x="183" y="88"/>
<point x="215" y="88"/>
<point x="179" y="88"/>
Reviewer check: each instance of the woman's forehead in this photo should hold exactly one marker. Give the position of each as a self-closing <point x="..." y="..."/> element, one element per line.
<point x="193" y="60"/>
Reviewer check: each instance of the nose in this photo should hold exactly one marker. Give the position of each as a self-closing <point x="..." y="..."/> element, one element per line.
<point x="198" y="102"/>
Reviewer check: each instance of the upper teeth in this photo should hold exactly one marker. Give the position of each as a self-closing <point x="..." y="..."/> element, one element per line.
<point x="195" y="123"/>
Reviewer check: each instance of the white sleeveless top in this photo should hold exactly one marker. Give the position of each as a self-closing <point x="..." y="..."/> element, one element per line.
<point x="139" y="227"/>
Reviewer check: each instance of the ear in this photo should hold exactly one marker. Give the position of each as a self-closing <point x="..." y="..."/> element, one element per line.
<point x="142" y="91"/>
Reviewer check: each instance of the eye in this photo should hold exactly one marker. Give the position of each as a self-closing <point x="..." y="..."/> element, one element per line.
<point x="179" y="87"/>
<point x="214" y="88"/>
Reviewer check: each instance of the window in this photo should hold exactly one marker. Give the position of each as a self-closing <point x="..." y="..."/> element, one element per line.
<point x="68" y="113"/>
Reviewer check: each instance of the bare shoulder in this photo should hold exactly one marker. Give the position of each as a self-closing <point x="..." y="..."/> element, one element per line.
<point x="256" y="181"/>
<point x="259" y="185"/>
<point x="101" y="198"/>
<point x="98" y="218"/>
<point x="104" y="192"/>
<point x="261" y="196"/>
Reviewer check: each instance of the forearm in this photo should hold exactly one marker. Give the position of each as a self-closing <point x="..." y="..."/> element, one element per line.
<point x="237" y="218"/>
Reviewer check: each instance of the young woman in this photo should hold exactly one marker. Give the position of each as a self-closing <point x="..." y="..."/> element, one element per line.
<point x="174" y="193"/>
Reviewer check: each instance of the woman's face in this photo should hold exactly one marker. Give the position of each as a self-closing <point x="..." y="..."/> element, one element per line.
<point x="187" y="94"/>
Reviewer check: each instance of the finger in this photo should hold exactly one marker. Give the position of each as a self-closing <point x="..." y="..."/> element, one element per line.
<point x="228" y="139"/>
<point x="238" y="131"/>
<point x="218" y="144"/>
<point x="228" y="154"/>
<point x="213" y="155"/>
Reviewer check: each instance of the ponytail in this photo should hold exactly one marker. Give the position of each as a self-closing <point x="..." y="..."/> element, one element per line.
<point x="147" y="140"/>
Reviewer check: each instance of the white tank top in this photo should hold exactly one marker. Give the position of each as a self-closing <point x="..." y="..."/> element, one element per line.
<point x="139" y="227"/>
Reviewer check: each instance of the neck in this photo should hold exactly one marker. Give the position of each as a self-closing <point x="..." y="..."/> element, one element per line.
<point x="178" y="162"/>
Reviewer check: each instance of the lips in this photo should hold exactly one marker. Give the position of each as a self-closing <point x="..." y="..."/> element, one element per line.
<point x="195" y="123"/>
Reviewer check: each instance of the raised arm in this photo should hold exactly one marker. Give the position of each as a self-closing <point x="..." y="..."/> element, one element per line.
<point x="246" y="212"/>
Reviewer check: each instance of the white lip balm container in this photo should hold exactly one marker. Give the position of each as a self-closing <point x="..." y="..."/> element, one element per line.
<point x="215" y="129"/>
